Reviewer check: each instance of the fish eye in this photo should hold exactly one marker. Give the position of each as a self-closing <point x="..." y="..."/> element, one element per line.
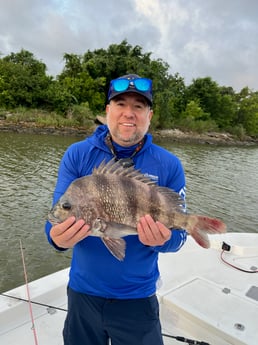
<point x="66" y="205"/>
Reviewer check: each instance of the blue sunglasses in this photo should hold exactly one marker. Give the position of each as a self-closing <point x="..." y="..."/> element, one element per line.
<point x="140" y="84"/>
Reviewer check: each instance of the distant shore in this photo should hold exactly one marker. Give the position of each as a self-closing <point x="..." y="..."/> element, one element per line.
<point x="212" y="138"/>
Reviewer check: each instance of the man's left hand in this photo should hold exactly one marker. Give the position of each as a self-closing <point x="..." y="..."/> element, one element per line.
<point x="152" y="233"/>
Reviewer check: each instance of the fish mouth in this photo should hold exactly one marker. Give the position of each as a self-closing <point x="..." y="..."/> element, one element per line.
<point x="52" y="219"/>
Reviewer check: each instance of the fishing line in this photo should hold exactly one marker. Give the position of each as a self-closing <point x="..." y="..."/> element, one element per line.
<point x="33" y="302"/>
<point x="28" y="295"/>
<point x="178" y="338"/>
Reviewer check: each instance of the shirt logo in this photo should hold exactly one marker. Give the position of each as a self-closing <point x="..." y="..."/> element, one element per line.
<point x="152" y="177"/>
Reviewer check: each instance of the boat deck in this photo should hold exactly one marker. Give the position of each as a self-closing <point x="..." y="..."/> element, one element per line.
<point x="201" y="298"/>
<point x="206" y="298"/>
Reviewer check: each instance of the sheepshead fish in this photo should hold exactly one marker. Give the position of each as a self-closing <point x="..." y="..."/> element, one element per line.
<point x="113" y="199"/>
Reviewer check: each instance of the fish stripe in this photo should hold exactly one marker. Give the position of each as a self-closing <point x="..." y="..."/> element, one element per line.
<point x="154" y="204"/>
<point x="131" y="199"/>
<point x="105" y="193"/>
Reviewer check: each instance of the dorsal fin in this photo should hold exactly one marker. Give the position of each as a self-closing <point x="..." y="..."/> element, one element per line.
<point x="115" y="168"/>
<point x="173" y="197"/>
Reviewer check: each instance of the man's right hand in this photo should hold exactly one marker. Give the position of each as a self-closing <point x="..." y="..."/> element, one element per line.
<point x="67" y="234"/>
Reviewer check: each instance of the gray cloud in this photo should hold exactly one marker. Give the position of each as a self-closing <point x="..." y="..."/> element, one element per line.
<point x="196" y="38"/>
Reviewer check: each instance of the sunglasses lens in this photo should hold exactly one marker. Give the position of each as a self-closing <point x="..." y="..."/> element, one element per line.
<point x="142" y="84"/>
<point x="120" y="84"/>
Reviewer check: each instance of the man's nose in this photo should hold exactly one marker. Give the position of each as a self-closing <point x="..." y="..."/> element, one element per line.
<point x="128" y="110"/>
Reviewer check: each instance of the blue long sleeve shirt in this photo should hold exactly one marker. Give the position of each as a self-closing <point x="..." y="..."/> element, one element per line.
<point x="94" y="270"/>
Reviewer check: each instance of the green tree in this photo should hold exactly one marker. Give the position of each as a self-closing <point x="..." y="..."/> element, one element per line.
<point x="218" y="102"/>
<point x="169" y="100"/>
<point x="58" y="98"/>
<point x="87" y="78"/>
<point x="82" y="87"/>
<point x="194" y="111"/>
<point x="194" y="118"/>
<point x="23" y="80"/>
<point x="248" y="111"/>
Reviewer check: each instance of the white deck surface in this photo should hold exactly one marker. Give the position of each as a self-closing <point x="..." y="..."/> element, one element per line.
<point x="201" y="298"/>
<point x="207" y="299"/>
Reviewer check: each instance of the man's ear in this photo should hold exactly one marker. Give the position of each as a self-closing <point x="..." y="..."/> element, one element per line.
<point x="107" y="108"/>
<point x="150" y="114"/>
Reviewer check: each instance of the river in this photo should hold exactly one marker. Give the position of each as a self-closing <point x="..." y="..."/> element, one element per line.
<point x="222" y="181"/>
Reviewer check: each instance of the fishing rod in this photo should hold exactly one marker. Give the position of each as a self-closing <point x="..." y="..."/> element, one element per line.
<point x="186" y="340"/>
<point x="178" y="338"/>
<point x="32" y="302"/>
<point x="28" y="295"/>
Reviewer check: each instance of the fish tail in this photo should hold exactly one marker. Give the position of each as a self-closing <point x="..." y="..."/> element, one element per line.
<point x="200" y="226"/>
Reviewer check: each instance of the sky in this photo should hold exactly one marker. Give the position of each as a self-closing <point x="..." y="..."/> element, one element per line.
<point x="197" y="38"/>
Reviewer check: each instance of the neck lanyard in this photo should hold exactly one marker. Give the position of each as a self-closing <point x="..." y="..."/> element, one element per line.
<point x="125" y="162"/>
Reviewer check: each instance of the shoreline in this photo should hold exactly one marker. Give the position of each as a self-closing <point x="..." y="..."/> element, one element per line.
<point x="211" y="138"/>
<point x="175" y="135"/>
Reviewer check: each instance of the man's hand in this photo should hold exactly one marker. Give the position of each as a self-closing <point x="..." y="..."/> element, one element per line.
<point x="152" y="233"/>
<point x="70" y="232"/>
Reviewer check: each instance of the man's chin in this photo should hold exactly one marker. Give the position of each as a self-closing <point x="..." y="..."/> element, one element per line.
<point x="129" y="140"/>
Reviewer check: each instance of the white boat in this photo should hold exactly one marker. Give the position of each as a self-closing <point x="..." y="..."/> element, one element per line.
<point x="203" y="300"/>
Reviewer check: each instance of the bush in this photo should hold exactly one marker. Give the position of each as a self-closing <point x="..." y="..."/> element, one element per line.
<point x="199" y="126"/>
<point x="238" y="131"/>
<point x="81" y="115"/>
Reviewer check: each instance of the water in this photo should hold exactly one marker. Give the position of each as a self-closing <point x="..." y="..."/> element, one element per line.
<point x="221" y="182"/>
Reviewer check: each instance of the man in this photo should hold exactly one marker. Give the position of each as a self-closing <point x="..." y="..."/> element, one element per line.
<point x="108" y="298"/>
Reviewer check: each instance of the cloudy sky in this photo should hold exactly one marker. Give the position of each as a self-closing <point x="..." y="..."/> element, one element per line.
<point x="197" y="38"/>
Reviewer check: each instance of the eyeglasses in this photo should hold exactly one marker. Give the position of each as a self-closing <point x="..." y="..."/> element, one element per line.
<point x="140" y="84"/>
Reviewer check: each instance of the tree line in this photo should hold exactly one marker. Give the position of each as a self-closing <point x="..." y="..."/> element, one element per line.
<point x="83" y="84"/>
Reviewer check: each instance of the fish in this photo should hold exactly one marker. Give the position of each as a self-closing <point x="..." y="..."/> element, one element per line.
<point x="113" y="199"/>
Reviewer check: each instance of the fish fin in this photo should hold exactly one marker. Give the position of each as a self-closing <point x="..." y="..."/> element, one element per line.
<point x="201" y="238"/>
<point x="118" y="230"/>
<point x="173" y="198"/>
<point x="115" y="168"/>
<point x="111" y="229"/>
<point x="202" y="226"/>
<point x="116" y="246"/>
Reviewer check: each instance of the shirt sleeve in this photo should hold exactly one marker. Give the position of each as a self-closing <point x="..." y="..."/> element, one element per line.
<point x="66" y="174"/>
<point x="176" y="241"/>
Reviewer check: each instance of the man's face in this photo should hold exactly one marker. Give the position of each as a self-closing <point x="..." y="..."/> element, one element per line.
<point x="128" y="118"/>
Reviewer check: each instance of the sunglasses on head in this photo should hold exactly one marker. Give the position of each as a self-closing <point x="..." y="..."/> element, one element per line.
<point x="140" y="84"/>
